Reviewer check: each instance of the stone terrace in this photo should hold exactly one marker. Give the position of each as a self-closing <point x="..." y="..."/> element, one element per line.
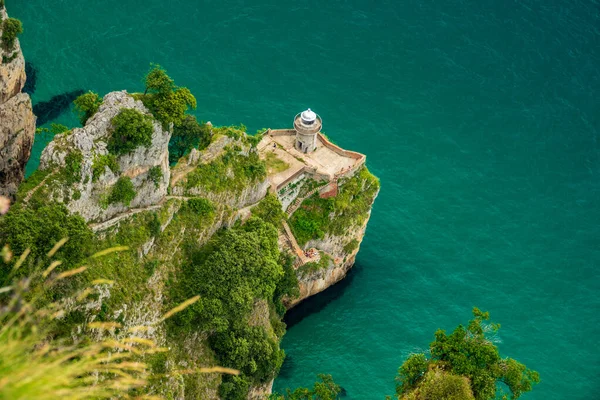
<point x="327" y="160"/>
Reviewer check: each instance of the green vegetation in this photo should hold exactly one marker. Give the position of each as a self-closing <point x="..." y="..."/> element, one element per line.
<point x="54" y="129"/>
<point x="168" y="103"/>
<point x="199" y="206"/>
<point x="11" y="28"/>
<point x="275" y="165"/>
<point x="269" y="210"/>
<point x="325" y="389"/>
<point x="186" y="136"/>
<point x="72" y="171"/>
<point x="122" y="192"/>
<point x="231" y="171"/>
<point x="317" y="217"/>
<point x="39" y="229"/>
<point x="155" y="175"/>
<point x="466" y="353"/>
<point x="100" y="164"/>
<point x="235" y="269"/>
<point x="87" y="105"/>
<point x="312" y="267"/>
<point x="131" y="129"/>
<point x="351" y="246"/>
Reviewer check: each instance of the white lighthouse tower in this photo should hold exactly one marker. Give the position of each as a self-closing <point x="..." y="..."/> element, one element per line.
<point x="307" y="125"/>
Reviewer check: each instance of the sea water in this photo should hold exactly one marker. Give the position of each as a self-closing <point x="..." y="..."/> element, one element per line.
<point x="481" y="118"/>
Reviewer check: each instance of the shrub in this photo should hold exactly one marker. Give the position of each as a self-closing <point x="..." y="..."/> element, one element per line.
<point x="131" y="129"/>
<point x="100" y="164"/>
<point x="269" y="210"/>
<point x="11" y="28"/>
<point x="168" y="102"/>
<point x="122" y="192"/>
<point x="87" y="105"/>
<point x="155" y="175"/>
<point x="72" y="170"/>
<point x="39" y="229"/>
<point x="186" y="136"/>
<point x="200" y="206"/>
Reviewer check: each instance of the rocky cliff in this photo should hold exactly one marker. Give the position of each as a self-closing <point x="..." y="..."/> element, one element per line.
<point x="80" y="175"/>
<point x="176" y="218"/>
<point x="17" y="122"/>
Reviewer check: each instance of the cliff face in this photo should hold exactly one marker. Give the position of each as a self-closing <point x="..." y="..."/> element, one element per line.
<point x="84" y="184"/>
<point x="17" y="122"/>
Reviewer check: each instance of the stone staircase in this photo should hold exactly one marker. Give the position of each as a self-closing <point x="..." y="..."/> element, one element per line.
<point x="294" y="206"/>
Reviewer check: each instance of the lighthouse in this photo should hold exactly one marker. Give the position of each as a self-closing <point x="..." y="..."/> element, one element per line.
<point x="307" y="125"/>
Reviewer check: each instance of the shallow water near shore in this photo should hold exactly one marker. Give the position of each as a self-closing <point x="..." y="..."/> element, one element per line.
<point x="480" y="118"/>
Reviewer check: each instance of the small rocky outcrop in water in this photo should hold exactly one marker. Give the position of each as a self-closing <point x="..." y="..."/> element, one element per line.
<point x="80" y="171"/>
<point x="17" y="122"/>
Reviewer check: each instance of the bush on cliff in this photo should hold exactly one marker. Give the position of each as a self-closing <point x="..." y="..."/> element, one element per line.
<point x="122" y="192"/>
<point x="464" y="353"/>
<point x="39" y="229"/>
<point x="187" y="135"/>
<point x="131" y="129"/>
<point x="11" y="28"/>
<point x="168" y="103"/>
<point x="87" y="105"/>
<point x="325" y="389"/>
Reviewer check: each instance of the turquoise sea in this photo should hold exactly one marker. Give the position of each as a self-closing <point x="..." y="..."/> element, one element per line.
<point x="482" y="119"/>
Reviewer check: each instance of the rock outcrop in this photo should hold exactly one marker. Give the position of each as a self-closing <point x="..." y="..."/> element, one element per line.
<point x="17" y="122"/>
<point x="89" y="195"/>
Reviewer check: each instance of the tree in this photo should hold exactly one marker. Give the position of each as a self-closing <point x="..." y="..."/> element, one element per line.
<point x="11" y="28"/>
<point x="122" y="192"/>
<point x="131" y="129"/>
<point x="269" y="210"/>
<point x="157" y="81"/>
<point x="167" y="102"/>
<point x="87" y="105"/>
<point x="325" y="389"/>
<point x="465" y="353"/>
<point x="186" y="136"/>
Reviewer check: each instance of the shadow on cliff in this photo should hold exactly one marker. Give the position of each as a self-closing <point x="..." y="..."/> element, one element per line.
<point x="47" y="111"/>
<point x="31" y="82"/>
<point x="316" y="303"/>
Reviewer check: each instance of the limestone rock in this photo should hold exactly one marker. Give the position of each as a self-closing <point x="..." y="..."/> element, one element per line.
<point x="88" y="195"/>
<point x="17" y="122"/>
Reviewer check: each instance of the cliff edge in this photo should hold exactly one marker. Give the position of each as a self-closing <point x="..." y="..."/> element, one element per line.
<point x="17" y="122"/>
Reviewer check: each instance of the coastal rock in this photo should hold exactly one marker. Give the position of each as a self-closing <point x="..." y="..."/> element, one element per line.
<point x="88" y="195"/>
<point x="17" y="122"/>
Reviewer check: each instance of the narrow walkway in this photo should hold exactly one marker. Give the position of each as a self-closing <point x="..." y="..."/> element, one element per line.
<point x="294" y="244"/>
<point x="294" y="206"/>
<point x="32" y="191"/>
<point x="100" y="226"/>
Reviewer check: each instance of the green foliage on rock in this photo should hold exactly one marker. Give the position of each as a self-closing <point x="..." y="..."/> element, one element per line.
<point x="39" y="229"/>
<point x="131" y="129"/>
<point x="122" y="192"/>
<point x="440" y="385"/>
<point x="317" y="217"/>
<point x="187" y="135"/>
<point x="269" y="210"/>
<point x="72" y="171"/>
<point x="232" y="172"/>
<point x="199" y="206"/>
<point x="87" y="105"/>
<point x="155" y="175"/>
<point x="11" y="28"/>
<point x="466" y="353"/>
<point x="168" y="102"/>
<point x="101" y="162"/>
<point x="324" y="389"/>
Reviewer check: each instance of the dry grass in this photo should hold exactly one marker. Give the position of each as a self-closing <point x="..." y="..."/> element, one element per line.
<point x="34" y="365"/>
